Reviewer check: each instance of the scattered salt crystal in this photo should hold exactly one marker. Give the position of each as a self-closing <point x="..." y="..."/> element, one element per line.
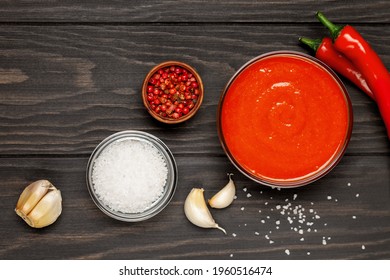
<point x="363" y="247"/>
<point x="278" y="207"/>
<point x="259" y="211"/>
<point x="242" y="208"/>
<point x="308" y="253"/>
<point x="329" y="197"/>
<point x="121" y="176"/>
<point x="295" y="196"/>
<point x="325" y="224"/>
<point x="266" y="203"/>
<point x="268" y="217"/>
<point x="315" y="230"/>
<point x="336" y="200"/>
<point x="234" y="235"/>
<point x="329" y="238"/>
<point x="231" y="255"/>
<point x="244" y="189"/>
<point x="277" y="227"/>
<point x="354" y="217"/>
<point x="271" y="242"/>
<point x="311" y="210"/>
<point x="257" y="233"/>
<point x="248" y="195"/>
<point x="235" y="197"/>
<point x="323" y="242"/>
<point x="244" y="225"/>
<point x="266" y="236"/>
<point x="302" y="239"/>
<point x="277" y="222"/>
<point x="349" y="184"/>
<point x="300" y="231"/>
<point x="287" y="251"/>
<point x="317" y="217"/>
<point x="279" y="189"/>
<point x="262" y="221"/>
<point x="357" y="195"/>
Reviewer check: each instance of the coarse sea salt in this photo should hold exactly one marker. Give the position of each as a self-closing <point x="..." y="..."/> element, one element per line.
<point x="121" y="176"/>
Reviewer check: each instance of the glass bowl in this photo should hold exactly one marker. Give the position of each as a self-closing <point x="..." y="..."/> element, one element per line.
<point x="224" y="123"/>
<point x="168" y="191"/>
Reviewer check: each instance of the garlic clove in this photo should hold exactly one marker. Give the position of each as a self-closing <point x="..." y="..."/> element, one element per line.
<point x="225" y="196"/>
<point x="46" y="211"/>
<point x="31" y="195"/>
<point x="196" y="210"/>
<point x="40" y="204"/>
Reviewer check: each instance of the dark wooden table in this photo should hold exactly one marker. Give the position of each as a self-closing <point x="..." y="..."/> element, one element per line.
<point x="70" y="75"/>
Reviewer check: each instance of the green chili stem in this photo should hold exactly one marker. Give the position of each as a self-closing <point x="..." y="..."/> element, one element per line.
<point x="333" y="28"/>
<point x="312" y="43"/>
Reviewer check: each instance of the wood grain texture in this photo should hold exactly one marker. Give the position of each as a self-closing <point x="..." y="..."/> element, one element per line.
<point x="83" y="232"/>
<point x="192" y="11"/>
<point x="71" y="74"/>
<point x="67" y="87"/>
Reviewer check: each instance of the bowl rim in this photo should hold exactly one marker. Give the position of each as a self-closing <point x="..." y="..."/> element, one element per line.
<point x="309" y="178"/>
<point x="169" y="189"/>
<point x="184" y="117"/>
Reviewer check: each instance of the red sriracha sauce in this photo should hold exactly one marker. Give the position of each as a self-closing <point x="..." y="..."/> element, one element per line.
<point x="283" y="118"/>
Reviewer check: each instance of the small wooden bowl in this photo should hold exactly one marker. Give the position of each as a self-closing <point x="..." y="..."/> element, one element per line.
<point x="169" y="120"/>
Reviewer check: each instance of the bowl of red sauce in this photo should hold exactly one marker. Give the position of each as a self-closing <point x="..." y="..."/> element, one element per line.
<point x="172" y="92"/>
<point x="284" y="119"/>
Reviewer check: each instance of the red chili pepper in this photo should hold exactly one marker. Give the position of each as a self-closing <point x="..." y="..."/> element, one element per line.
<point x="351" y="44"/>
<point x="325" y="51"/>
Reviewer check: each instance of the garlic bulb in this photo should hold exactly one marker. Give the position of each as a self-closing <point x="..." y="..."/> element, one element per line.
<point x="40" y="204"/>
<point x="196" y="210"/>
<point x="225" y="196"/>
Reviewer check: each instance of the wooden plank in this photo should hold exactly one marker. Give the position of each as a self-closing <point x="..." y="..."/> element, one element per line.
<point x="65" y="88"/>
<point x="193" y="11"/>
<point x="83" y="232"/>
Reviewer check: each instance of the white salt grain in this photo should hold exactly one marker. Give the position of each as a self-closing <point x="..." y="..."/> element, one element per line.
<point x="242" y="208"/>
<point x="287" y="251"/>
<point x="234" y="235"/>
<point x="329" y="197"/>
<point x="121" y="176"/>
<point x="357" y="195"/>
<point x="363" y="247"/>
<point x="248" y="195"/>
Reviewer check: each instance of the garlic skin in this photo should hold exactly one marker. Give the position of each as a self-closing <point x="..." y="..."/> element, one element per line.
<point x="40" y="204"/>
<point x="225" y="196"/>
<point x="196" y="210"/>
